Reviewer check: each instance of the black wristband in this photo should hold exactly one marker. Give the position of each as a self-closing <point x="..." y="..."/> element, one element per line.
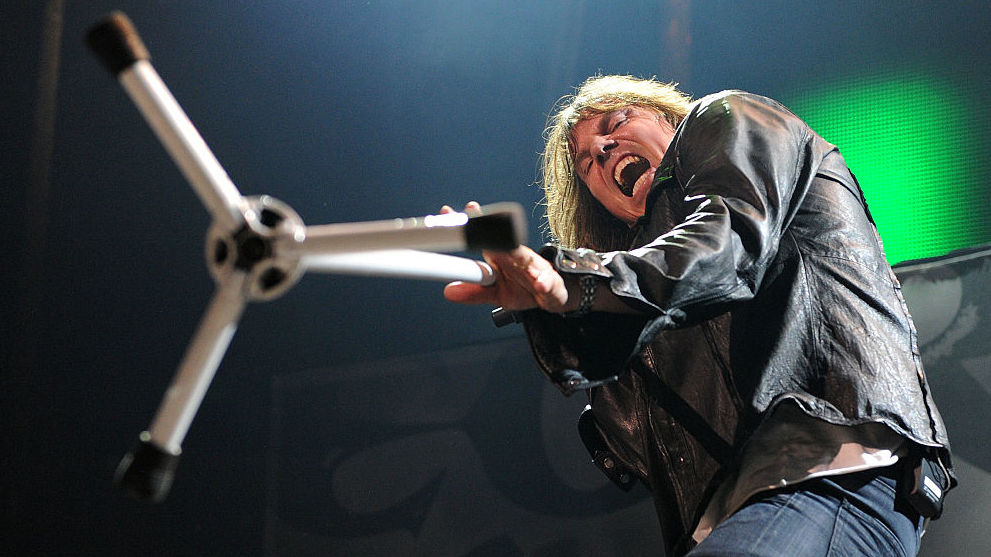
<point x="589" y="283"/>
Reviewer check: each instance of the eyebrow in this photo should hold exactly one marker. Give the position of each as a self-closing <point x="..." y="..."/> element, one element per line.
<point x="603" y="127"/>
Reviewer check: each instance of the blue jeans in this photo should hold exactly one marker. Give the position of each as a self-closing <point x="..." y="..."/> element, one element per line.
<point x="847" y="515"/>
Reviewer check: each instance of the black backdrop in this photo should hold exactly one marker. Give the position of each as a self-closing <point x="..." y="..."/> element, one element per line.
<point x="358" y="415"/>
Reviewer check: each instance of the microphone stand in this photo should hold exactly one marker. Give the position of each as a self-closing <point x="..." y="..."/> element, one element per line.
<point x="257" y="248"/>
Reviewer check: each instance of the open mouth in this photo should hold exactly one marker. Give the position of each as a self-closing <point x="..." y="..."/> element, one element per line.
<point x="628" y="173"/>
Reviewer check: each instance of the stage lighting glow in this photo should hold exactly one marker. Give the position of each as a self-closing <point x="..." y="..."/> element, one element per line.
<point x="913" y="143"/>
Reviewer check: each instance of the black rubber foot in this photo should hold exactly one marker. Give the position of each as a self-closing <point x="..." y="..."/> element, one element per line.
<point x="146" y="472"/>
<point x="116" y="43"/>
<point x="501" y="227"/>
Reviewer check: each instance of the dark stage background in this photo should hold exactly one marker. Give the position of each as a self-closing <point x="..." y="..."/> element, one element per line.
<point x="367" y="416"/>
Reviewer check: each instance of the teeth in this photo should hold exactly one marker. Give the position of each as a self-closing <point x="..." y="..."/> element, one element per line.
<point x="621" y="166"/>
<point x="617" y="173"/>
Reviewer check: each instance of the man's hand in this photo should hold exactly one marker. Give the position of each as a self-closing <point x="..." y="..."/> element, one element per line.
<point x="524" y="280"/>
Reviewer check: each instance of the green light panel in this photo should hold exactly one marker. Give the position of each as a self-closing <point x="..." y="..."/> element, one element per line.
<point x="914" y="146"/>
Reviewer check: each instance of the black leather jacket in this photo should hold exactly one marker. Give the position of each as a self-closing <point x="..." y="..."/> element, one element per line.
<point x="760" y="278"/>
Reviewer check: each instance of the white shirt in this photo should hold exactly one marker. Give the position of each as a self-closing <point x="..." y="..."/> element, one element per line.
<point x="791" y="447"/>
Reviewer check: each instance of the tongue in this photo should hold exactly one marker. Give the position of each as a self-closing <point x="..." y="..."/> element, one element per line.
<point x="630" y="174"/>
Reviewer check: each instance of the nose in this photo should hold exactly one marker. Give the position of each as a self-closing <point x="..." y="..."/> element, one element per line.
<point x="601" y="147"/>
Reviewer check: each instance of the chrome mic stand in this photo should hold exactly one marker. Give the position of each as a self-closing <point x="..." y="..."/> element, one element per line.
<point x="257" y="248"/>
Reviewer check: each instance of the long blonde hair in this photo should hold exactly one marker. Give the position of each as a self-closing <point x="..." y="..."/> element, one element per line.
<point x="574" y="217"/>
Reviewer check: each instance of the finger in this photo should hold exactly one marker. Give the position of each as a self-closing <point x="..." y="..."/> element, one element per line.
<point x="473" y="208"/>
<point x="550" y="291"/>
<point x="468" y="293"/>
<point x="446" y="209"/>
<point x="520" y="263"/>
<point x="535" y="275"/>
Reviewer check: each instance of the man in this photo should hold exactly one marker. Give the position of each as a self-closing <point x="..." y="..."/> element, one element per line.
<point x="745" y="345"/>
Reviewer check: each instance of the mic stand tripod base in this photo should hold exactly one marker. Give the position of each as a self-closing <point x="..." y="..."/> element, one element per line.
<point x="258" y="247"/>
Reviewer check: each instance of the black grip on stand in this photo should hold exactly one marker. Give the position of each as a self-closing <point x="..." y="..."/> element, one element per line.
<point x="115" y="41"/>
<point x="146" y="472"/>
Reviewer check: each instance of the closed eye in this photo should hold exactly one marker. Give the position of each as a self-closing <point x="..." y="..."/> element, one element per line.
<point x="621" y="118"/>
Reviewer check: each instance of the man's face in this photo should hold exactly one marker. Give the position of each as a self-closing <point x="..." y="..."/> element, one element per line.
<point x="616" y="154"/>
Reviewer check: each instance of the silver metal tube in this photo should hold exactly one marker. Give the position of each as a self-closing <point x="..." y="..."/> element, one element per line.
<point x="403" y="263"/>
<point x="199" y="364"/>
<point x="431" y="233"/>
<point x="184" y="144"/>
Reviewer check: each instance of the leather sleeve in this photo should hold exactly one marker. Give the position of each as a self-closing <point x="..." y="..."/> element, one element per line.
<point x="737" y="169"/>
<point x="742" y="162"/>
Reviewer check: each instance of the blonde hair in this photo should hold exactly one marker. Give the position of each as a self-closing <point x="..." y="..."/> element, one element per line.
<point x="574" y="217"/>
